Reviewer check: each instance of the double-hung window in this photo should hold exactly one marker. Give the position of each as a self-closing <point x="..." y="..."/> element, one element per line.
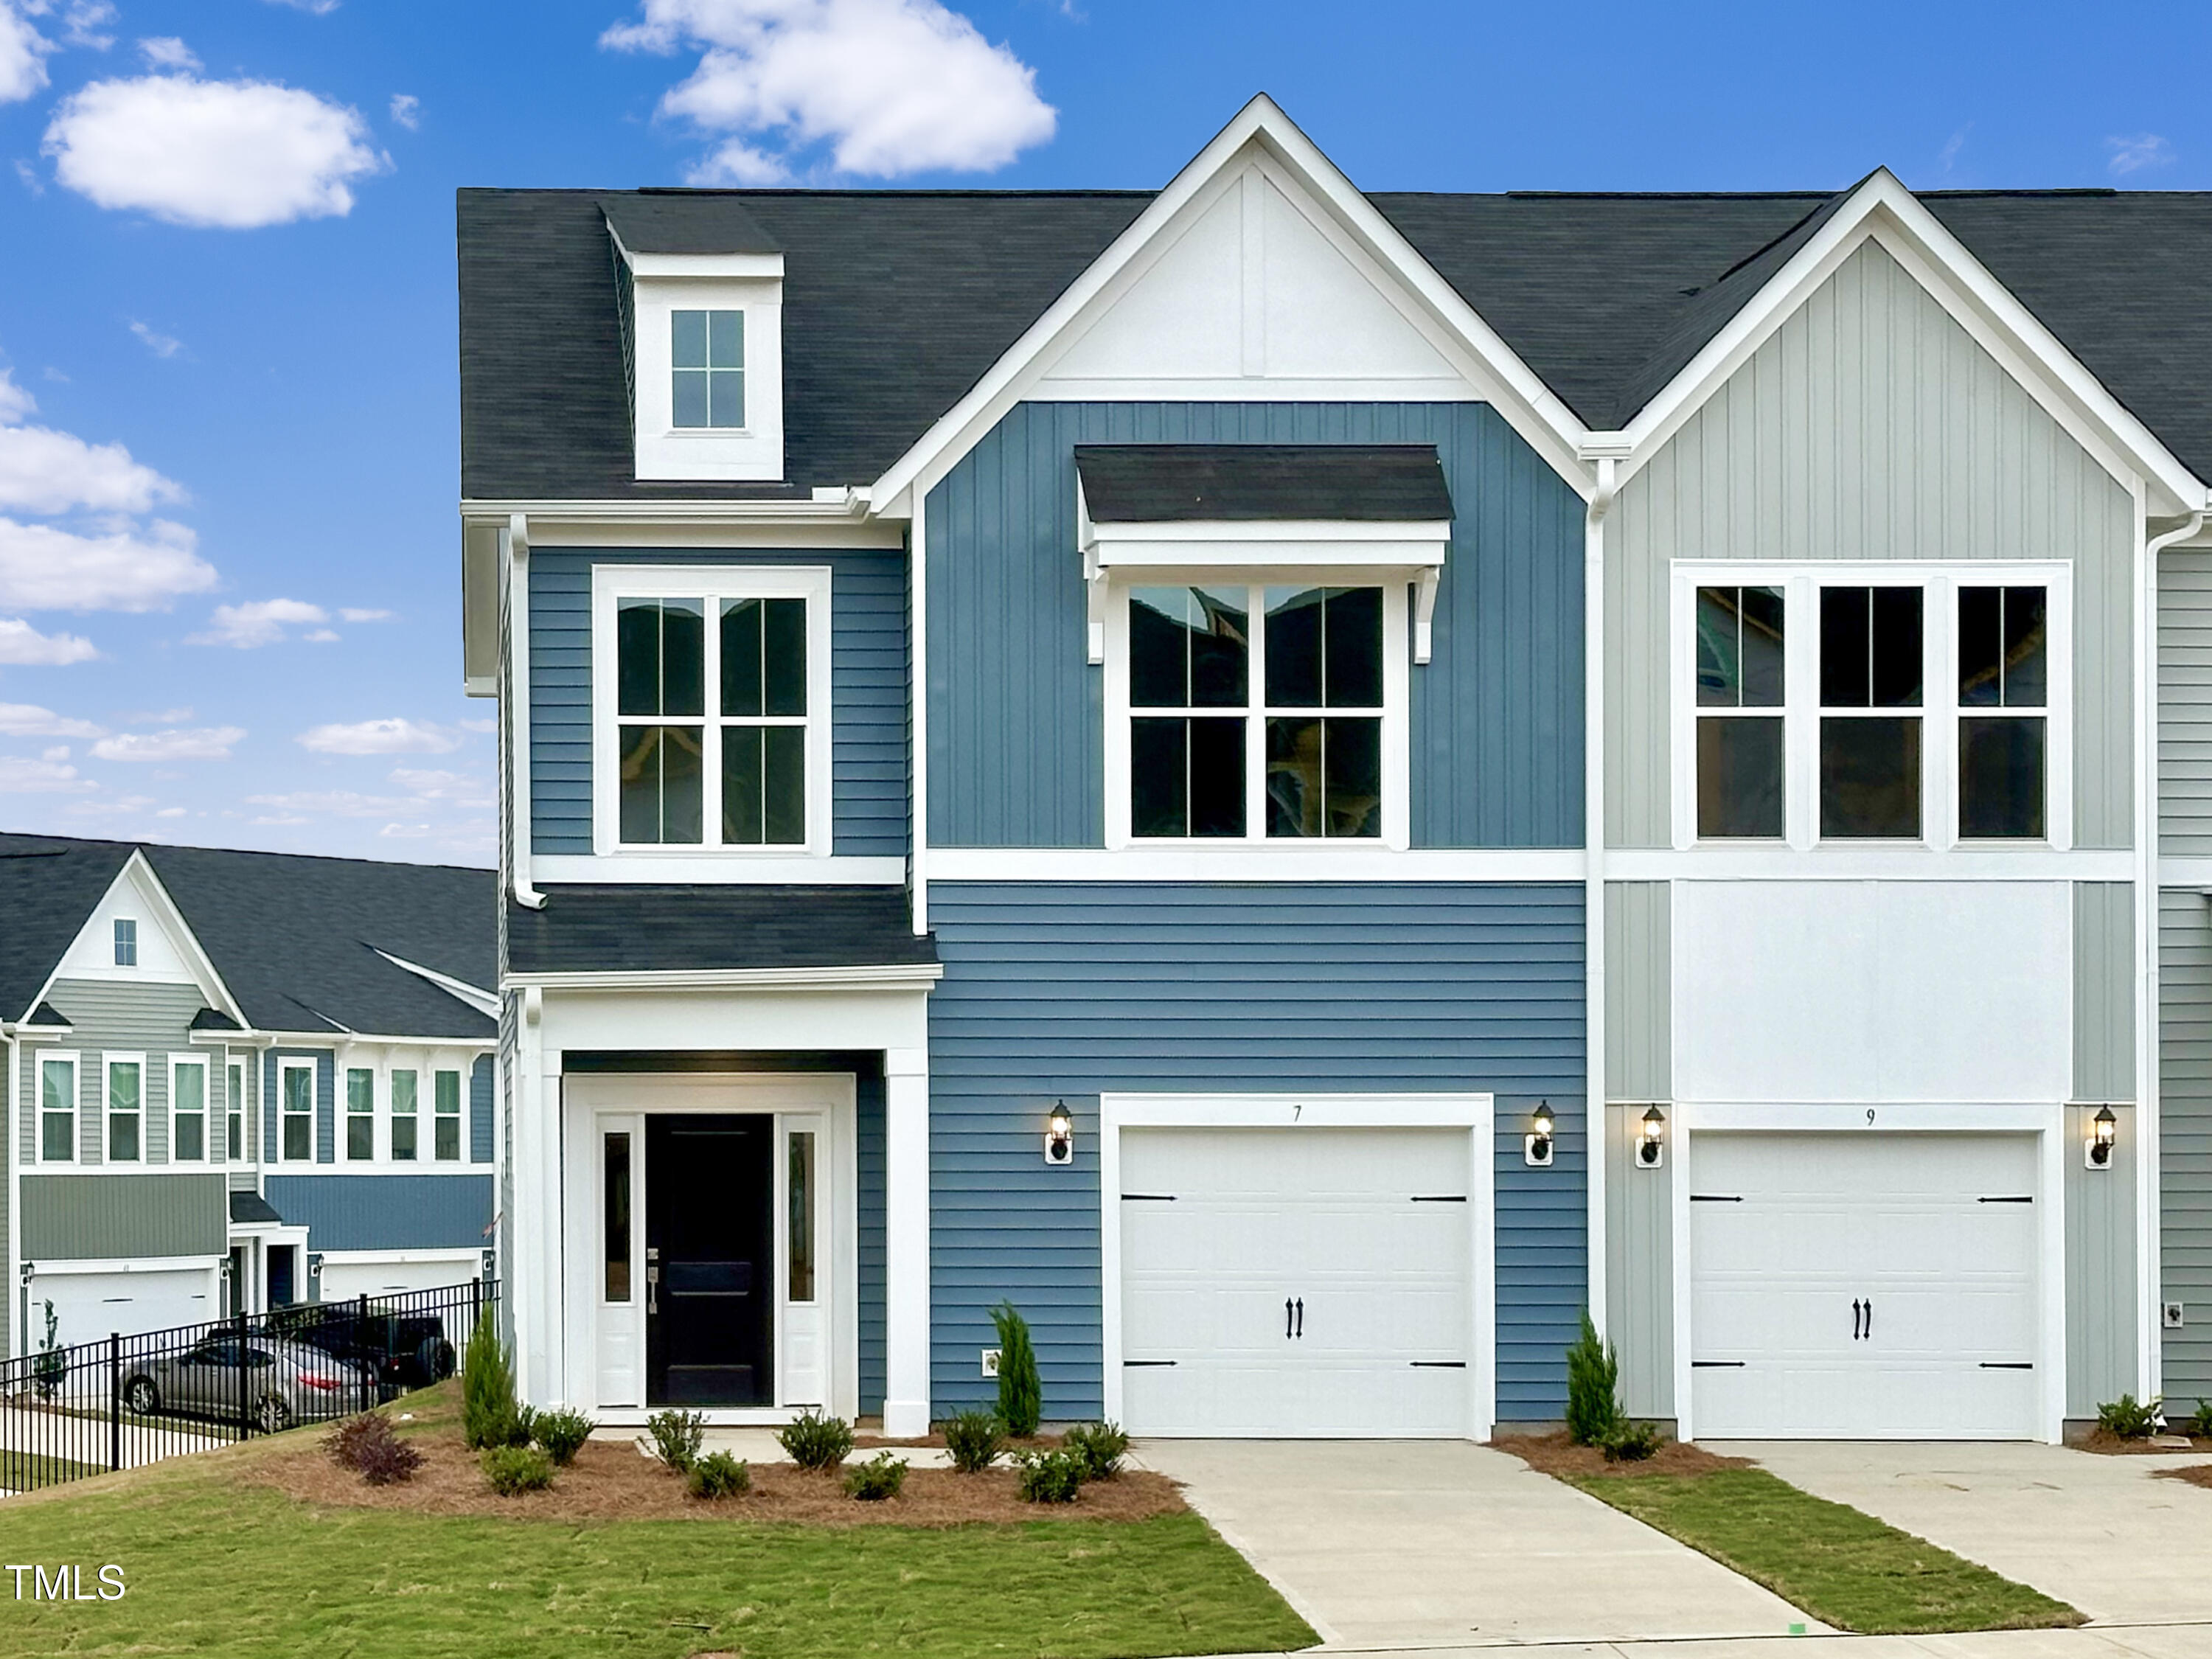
<point x="1740" y="720"/>
<point x="1871" y="679"/>
<point x="2003" y="740"/>
<point x="447" y="1147"/>
<point x="1260" y="712"/>
<point x="361" y="1113"/>
<point x="188" y="1106"/>
<point x="403" y="1116"/>
<point x="295" y="1100"/>
<point x="234" y="1100"/>
<point x="126" y="1110"/>
<point x="57" y="1108"/>
<point x="713" y="710"/>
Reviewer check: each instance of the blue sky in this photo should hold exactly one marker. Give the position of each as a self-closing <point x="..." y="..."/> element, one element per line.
<point x="228" y="553"/>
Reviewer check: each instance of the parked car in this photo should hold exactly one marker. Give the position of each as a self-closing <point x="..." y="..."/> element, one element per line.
<point x="404" y="1351"/>
<point x="284" y="1382"/>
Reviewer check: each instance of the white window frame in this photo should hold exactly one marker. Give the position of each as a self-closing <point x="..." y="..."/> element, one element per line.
<point x="76" y="1062"/>
<point x="1397" y="726"/>
<point x="124" y="941"/>
<point x="346" y="1115"/>
<point x="1939" y="711"/>
<point x="285" y="1066"/>
<point x="671" y="370"/>
<point x="713" y="584"/>
<point x="414" y="1069"/>
<point x="177" y="1065"/>
<point x="108" y="1062"/>
<point x="234" y="1101"/>
<point x="459" y="1115"/>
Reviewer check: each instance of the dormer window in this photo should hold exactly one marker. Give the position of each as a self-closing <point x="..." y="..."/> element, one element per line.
<point x="126" y="942"/>
<point x="708" y="383"/>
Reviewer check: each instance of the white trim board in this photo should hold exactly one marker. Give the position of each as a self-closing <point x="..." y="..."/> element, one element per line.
<point x="1261" y="862"/>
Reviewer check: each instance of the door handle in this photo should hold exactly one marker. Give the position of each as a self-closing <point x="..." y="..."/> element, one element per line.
<point x="1287" y="1318"/>
<point x="1869" y="1318"/>
<point x="1856" y="1313"/>
<point x="1302" y="1319"/>
<point x="653" y="1290"/>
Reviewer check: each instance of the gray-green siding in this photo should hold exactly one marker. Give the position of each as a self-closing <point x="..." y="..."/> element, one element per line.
<point x="2104" y="991"/>
<point x="1639" y="1266"/>
<point x="97" y="1217"/>
<point x="2184" y="703"/>
<point x="2185" y="1135"/>
<point x="2101" y="1265"/>
<point x="1870" y="426"/>
<point x="1639" y="1062"/>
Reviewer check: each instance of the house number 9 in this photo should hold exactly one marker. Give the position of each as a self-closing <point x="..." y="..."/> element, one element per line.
<point x="1869" y="1116"/>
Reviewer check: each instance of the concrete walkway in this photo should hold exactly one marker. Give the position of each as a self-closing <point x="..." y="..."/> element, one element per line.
<point x="2119" y="1642"/>
<point x="1431" y="1545"/>
<point x="2098" y="1532"/>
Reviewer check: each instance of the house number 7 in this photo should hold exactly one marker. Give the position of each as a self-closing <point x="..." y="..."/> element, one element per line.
<point x="1298" y="1112"/>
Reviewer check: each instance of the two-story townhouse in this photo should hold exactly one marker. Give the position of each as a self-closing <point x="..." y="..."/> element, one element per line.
<point x="1050" y="754"/>
<point x="237" y="1080"/>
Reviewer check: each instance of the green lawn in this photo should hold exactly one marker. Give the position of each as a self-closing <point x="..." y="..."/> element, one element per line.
<point x="20" y="1471"/>
<point x="220" y="1566"/>
<point x="1843" y="1567"/>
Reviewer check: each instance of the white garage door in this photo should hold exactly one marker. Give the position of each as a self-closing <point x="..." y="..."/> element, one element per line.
<point x="89" y="1306"/>
<point x="1875" y="1286"/>
<point x="1296" y="1283"/>
<point x="343" y="1280"/>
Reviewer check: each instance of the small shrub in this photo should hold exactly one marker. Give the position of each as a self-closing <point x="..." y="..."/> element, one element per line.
<point x="1593" y="1388"/>
<point x="879" y="1478"/>
<point x="350" y="1435"/>
<point x="368" y="1445"/>
<point x="973" y="1440"/>
<point x="2127" y="1419"/>
<point x="1100" y="1446"/>
<point x="1051" y="1477"/>
<point x="515" y="1469"/>
<point x="817" y="1443"/>
<point x="51" y="1367"/>
<point x="718" y="1474"/>
<point x="1021" y="1394"/>
<point x="1630" y="1443"/>
<point x="490" y="1416"/>
<point x="562" y="1433"/>
<point x="676" y="1438"/>
<point x="2200" y="1421"/>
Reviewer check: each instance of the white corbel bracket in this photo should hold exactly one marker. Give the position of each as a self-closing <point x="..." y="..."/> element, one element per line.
<point x="1425" y="611"/>
<point x="1094" y="587"/>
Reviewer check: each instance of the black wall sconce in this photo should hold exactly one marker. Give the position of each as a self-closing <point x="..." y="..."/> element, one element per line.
<point x="1060" y="1136"/>
<point x="2104" y="1133"/>
<point x="1651" y="1144"/>
<point x="1536" y="1144"/>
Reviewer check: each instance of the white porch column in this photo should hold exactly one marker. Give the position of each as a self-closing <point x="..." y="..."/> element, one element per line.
<point x="906" y="1242"/>
<point x="534" y="1277"/>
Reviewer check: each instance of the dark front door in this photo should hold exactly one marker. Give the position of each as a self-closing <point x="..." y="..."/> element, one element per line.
<point x="710" y="1259"/>
<point x="282" y="1264"/>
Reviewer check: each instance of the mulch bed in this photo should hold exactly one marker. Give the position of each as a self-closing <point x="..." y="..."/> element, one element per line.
<point x="2196" y="1474"/>
<point x="612" y="1482"/>
<point x="1554" y="1454"/>
<point x="2106" y="1444"/>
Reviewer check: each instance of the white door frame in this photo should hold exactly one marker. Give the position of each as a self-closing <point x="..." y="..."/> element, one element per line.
<point x="822" y="1101"/>
<point x="1474" y="1113"/>
<point x="2045" y="1121"/>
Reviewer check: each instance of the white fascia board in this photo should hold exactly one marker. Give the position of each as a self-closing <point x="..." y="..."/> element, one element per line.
<point x="1553" y="428"/>
<point x="904" y="977"/>
<point x="696" y="265"/>
<point x="483" y="1001"/>
<point x="344" y="1039"/>
<point x="1286" y="542"/>
<point x="1882" y="209"/>
<point x="211" y="983"/>
<point x="846" y="503"/>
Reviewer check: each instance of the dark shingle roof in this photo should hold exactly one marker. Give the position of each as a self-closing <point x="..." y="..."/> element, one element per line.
<point x="1152" y="484"/>
<point x="652" y="222"/>
<point x="641" y="929"/>
<point x="897" y="302"/>
<point x="247" y="1208"/>
<point x="297" y="938"/>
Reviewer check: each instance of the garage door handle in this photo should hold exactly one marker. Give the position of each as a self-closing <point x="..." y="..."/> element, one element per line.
<point x="1302" y="1319"/>
<point x="1870" y="1324"/>
<point x="1857" y="1310"/>
<point x="1287" y="1318"/>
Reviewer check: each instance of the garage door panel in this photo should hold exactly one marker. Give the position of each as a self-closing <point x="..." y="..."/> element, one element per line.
<point x="88" y="1307"/>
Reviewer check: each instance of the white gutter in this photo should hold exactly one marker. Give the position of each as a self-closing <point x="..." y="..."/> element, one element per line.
<point x="515" y="542"/>
<point x="907" y="976"/>
<point x="1595" y="1133"/>
<point x="837" y="503"/>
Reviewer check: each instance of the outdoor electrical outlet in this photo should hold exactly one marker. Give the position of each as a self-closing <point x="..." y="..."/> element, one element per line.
<point x="2170" y="1315"/>
<point x="990" y="1362"/>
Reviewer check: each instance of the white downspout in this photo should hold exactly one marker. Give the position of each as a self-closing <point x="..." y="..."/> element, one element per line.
<point x="1595" y="1135"/>
<point x="514" y="546"/>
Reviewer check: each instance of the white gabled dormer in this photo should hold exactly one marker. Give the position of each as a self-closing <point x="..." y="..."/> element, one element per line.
<point x="701" y="299"/>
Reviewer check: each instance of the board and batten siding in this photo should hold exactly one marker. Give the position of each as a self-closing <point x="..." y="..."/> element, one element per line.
<point x="2184" y="703"/>
<point x="2185" y="1136"/>
<point x="94" y="1218"/>
<point x="1016" y="710"/>
<point x="2101" y="1298"/>
<point x="385" y="1212"/>
<point x="1869" y="426"/>
<point x="1062" y="993"/>
<point x="326" y="1109"/>
<point x="867" y="689"/>
<point x="1639" y="1071"/>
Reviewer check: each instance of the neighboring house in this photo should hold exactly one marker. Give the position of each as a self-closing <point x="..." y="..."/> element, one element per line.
<point x="238" y="1079"/>
<point x="1145" y="754"/>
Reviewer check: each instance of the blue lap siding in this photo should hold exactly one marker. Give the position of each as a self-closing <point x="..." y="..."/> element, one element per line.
<point x="385" y="1212"/>
<point x="1016" y="709"/>
<point x="867" y="689"/>
<point x="1062" y="992"/>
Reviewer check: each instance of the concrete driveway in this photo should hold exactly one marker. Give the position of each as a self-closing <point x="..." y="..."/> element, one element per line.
<point x="2098" y="1532"/>
<point x="1403" y="1544"/>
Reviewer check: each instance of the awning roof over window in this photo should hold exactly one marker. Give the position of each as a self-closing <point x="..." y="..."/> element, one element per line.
<point x="1172" y="483"/>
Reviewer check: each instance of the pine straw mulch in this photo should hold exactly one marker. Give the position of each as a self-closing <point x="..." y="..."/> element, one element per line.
<point x="1554" y="1454"/>
<point x="612" y="1482"/>
<point x="2105" y="1442"/>
<point x="2196" y="1474"/>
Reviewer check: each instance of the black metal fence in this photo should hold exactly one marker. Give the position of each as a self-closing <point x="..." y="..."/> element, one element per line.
<point x="85" y="1408"/>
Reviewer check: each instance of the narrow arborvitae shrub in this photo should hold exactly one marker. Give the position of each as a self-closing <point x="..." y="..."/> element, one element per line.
<point x="815" y="1442"/>
<point x="2128" y="1419"/>
<point x="1593" y="1388"/>
<point x="1099" y="1446"/>
<point x="1047" y="1477"/>
<point x="563" y="1433"/>
<point x="718" y="1475"/>
<point x="676" y="1438"/>
<point x="490" y="1416"/>
<point x="974" y="1441"/>
<point x="1021" y="1394"/>
<point x="877" y="1478"/>
<point x="1630" y="1443"/>
<point x="515" y="1469"/>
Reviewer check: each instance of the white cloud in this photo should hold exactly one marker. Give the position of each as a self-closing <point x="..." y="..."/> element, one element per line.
<point x="154" y="717"/>
<point x="321" y="636"/>
<point x="170" y="812"/>
<point x="231" y="155"/>
<point x="407" y="110"/>
<point x="890" y="87"/>
<point x="15" y="401"/>
<point x="353" y="614"/>
<point x="258" y="622"/>
<point x="83" y="22"/>
<point x="203" y="743"/>
<point x="406" y="831"/>
<point x="161" y="345"/>
<point x="396" y="736"/>
<point x="167" y="52"/>
<point x="2145" y="149"/>
<point x="334" y="803"/>
<point x="312" y="8"/>
<point x="42" y="471"/>
<point x="282" y="818"/>
<point x="22" y="56"/>
<point x="455" y="786"/>
<point x="22" y="775"/>
<point x="477" y="724"/>
<point x="23" y="646"/>
<point x="43" y="568"/>
<point x="27" y="720"/>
